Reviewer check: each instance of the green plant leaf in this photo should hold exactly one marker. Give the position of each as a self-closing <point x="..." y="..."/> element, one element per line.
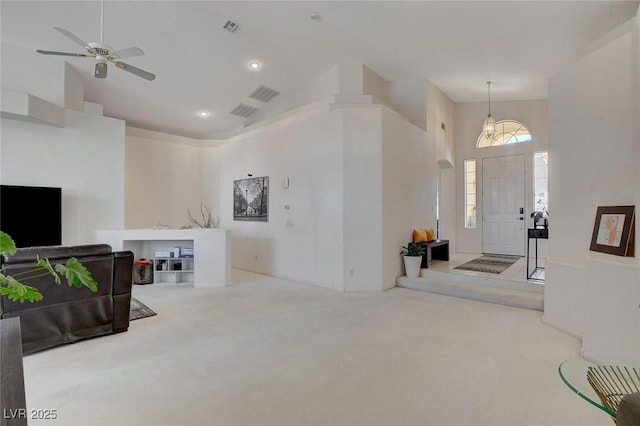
<point x="77" y="274"/>
<point x="7" y="245"/>
<point x="412" y="249"/>
<point x="16" y="291"/>
<point x="44" y="263"/>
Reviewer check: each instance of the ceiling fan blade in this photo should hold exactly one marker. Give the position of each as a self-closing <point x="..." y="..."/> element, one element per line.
<point x="51" y="52"/>
<point x="129" y="52"/>
<point x="137" y="71"/>
<point x="100" y="70"/>
<point x="72" y="37"/>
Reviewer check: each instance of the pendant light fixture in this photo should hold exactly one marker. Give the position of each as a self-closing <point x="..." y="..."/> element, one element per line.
<point x="489" y="125"/>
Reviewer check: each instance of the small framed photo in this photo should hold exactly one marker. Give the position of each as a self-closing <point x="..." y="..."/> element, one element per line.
<point x="613" y="230"/>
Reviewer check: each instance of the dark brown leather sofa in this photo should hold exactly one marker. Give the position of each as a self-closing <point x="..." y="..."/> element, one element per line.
<point x="68" y="314"/>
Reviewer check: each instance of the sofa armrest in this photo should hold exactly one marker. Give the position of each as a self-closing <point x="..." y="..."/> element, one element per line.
<point x="122" y="283"/>
<point x="122" y="272"/>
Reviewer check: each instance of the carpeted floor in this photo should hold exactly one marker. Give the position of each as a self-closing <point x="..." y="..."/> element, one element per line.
<point x="271" y="352"/>
<point x="139" y="310"/>
<point x="491" y="263"/>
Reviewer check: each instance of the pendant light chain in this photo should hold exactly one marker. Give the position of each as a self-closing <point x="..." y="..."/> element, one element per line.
<point x="489" y="125"/>
<point x="489" y="90"/>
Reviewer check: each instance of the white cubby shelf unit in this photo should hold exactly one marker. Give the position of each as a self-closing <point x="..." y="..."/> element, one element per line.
<point x="172" y="270"/>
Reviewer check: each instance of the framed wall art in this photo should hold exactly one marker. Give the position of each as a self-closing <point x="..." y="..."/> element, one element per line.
<point x="614" y="230"/>
<point x="251" y="199"/>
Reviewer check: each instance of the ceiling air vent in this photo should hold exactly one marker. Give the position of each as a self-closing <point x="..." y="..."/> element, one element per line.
<point x="243" y="110"/>
<point x="231" y="26"/>
<point x="263" y="94"/>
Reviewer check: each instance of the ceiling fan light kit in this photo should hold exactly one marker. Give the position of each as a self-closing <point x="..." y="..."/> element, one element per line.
<point x="103" y="53"/>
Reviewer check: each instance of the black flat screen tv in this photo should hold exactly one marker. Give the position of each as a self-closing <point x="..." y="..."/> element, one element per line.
<point x="31" y="215"/>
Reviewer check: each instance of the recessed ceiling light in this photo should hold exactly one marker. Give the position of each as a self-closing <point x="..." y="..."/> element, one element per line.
<point x="203" y="114"/>
<point x="255" y="65"/>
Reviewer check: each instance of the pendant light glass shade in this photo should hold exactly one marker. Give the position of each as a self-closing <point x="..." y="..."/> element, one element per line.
<point x="489" y="125"/>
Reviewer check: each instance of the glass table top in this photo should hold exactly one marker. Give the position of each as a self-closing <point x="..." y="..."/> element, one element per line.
<point x="574" y="374"/>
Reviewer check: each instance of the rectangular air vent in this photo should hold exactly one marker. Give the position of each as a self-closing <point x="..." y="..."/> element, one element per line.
<point x="263" y="94"/>
<point x="243" y="110"/>
<point x="230" y="26"/>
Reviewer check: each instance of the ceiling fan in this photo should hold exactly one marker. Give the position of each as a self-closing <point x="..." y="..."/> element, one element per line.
<point x="103" y="53"/>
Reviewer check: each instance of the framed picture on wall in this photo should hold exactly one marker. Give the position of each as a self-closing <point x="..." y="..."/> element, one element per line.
<point x="251" y="199"/>
<point x="614" y="230"/>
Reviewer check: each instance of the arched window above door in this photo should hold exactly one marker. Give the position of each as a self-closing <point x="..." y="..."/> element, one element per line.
<point x="507" y="132"/>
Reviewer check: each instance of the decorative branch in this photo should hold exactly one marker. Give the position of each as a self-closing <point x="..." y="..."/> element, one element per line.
<point x="208" y="221"/>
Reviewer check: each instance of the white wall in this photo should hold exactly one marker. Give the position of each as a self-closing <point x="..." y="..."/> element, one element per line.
<point x="409" y="176"/>
<point x="210" y="187"/>
<point x="362" y="199"/>
<point x="350" y="203"/>
<point x="374" y="85"/>
<point x="85" y="158"/>
<point x="163" y="180"/>
<point x="408" y="98"/>
<point x="30" y="72"/>
<point x="440" y="110"/>
<point x="468" y="125"/>
<point x="594" y="161"/>
<point x="303" y="242"/>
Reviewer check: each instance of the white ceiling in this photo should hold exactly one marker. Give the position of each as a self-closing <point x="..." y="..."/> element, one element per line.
<point x="457" y="45"/>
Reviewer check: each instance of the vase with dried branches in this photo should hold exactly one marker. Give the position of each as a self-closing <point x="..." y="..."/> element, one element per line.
<point x="207" y="221"/>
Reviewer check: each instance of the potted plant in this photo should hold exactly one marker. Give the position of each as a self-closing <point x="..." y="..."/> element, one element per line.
<point x="13" y="287"/>
<point x="412" y="254"/>
<point x="540" y="217"/>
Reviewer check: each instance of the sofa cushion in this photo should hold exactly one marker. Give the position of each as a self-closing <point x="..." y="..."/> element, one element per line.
<point x="101" y="268"/>
<point x="31" y="254"/>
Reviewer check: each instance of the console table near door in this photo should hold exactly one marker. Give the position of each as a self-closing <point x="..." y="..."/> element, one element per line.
<point x="434" y="250"/>
<point x="535" y="234"/>
<point x="212" y="249"/>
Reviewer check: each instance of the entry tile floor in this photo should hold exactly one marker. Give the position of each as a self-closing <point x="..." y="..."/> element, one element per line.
<point x="515" y="272"/>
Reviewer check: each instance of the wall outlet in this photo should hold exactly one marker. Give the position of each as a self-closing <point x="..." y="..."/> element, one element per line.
<point x="255" y="258"/>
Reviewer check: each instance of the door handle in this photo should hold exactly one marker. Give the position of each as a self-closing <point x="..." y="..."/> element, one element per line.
<point x="520" y="218"/>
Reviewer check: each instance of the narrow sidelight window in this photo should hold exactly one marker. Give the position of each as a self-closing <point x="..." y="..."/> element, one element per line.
<point x="540" y="181"/>
<point x="470" y="218"/>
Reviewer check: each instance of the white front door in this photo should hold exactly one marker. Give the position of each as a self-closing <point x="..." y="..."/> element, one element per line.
<point x="503" y="205"/>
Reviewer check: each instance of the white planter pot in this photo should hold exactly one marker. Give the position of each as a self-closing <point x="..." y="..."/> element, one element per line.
<point x="412" y="266"/>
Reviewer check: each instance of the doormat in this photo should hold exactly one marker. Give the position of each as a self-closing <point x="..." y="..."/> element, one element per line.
<point x="139" y="310"/>
<point x="491" y="263"/>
